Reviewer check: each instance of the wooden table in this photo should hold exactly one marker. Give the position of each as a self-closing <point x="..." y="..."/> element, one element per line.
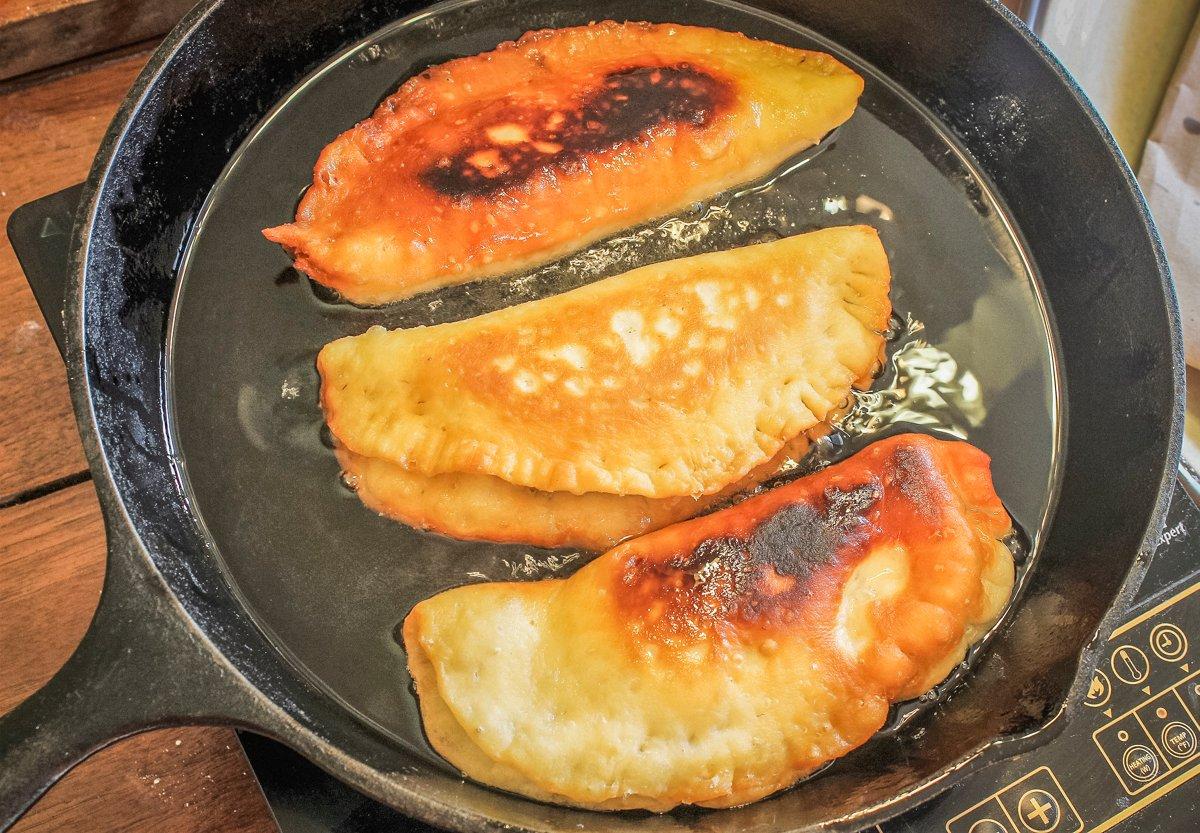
<point x="51" y="535"/>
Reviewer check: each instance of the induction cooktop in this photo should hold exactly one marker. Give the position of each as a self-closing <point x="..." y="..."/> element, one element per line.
<point x="1126" y="761"/>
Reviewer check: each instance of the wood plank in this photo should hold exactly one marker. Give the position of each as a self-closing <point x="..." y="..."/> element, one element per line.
<point x="49" y="133"/>
<point x="37" y="34"/>
<point x="51" y="570"/>
<point x="169" y="781"/>
<point x="184" y="780"/>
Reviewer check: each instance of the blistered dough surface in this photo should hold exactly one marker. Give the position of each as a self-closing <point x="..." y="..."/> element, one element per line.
<point x="672" y="380"/>
<point x="718" y="660"/>
<point x="500" y="161"/>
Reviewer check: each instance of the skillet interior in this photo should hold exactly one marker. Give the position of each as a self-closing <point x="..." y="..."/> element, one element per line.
<point x="150" y="262"/>
<point x="330" y="580"/>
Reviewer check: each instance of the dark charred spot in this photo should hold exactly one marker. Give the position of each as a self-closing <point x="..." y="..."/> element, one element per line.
<point x="800" y="539"/>
<point x="795" y="541"/>
<point x="691" y="589"/>
<point x="777" y="559"/>
<point x="719" y="570"/>
<point x="847" y="509"/>
<point x="912" y="470"/>
<point x="627" y="106"/>
<point x="758" y="578"/>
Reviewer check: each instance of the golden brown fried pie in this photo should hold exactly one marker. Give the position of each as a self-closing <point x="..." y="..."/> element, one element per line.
<point x="717" y="661"/>
<point x="482" y="507"/>
<point x="673" y="380"/>
<point x="501" y="161"/>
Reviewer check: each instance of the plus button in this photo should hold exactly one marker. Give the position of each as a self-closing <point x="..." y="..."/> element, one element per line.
<point x="1042" y="812"/>
<point x="1039" y="811"/>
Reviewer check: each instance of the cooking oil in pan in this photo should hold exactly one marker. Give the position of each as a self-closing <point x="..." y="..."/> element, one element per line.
<point x="326" y="578"/>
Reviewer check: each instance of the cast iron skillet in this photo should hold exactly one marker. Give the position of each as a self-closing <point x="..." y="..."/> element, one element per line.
<point x="172" y="642"/>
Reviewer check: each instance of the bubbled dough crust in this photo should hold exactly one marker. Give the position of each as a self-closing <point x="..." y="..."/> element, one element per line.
<point x="607" y="731"/>
<point x="671" y="380"/>
<point x="550" y="689"/>
<point x="485" y="508"/>
<point x="369" y="228"/>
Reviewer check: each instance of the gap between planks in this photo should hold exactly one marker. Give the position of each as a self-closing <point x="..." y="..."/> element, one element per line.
<point x="44" y="489"/>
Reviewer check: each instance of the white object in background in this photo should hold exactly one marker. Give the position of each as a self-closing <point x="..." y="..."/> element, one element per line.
<point x="1170" y="176"/>
<point x="1123" y="53"/>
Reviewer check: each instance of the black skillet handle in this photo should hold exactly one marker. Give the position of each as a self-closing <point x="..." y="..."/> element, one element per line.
<point x="139" y="666"/>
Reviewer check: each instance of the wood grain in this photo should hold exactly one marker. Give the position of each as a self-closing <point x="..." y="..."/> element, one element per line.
<point x="51" y="569"/>
<point x="36" y="34"/>
<point x="149" y="784"/>
<point x="49" y="133"/>
<point x="184" y="780"/>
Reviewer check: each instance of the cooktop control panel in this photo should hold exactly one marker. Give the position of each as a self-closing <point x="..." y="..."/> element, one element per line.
<point x="1125" y="761"/>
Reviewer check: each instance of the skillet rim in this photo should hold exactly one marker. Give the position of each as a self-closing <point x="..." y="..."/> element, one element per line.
<point x="274" y="719"/>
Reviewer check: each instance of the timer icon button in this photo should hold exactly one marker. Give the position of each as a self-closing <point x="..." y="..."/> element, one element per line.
<point x="1130" y="665"/>
<point x="1168" y="642"/>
